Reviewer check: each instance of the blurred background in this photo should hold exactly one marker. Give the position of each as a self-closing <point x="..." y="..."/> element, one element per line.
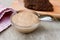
<point x="6" y="3"/>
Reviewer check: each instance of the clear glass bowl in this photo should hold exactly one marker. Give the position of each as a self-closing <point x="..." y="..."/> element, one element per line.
<point x="24" y="29"/>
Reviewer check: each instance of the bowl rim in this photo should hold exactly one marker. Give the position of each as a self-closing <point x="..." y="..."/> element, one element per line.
<point x="23" y="26"/>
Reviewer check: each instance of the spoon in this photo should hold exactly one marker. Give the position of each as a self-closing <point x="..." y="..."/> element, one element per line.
<point x="45" y="17"/>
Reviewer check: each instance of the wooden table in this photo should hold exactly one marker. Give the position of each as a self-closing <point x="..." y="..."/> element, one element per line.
<point x="46" y="31"/>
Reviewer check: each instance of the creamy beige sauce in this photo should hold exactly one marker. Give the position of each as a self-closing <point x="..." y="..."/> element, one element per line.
<point x="25" y="18"/>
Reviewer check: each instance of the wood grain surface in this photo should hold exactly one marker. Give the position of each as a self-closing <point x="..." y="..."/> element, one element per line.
<point x="42" y="33"/>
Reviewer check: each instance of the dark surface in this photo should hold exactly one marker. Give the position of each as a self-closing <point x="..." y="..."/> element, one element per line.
<point x="39" y="5"/>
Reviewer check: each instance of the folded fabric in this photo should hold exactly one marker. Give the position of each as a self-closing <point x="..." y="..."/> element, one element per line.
<point x="5" y="14"/>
